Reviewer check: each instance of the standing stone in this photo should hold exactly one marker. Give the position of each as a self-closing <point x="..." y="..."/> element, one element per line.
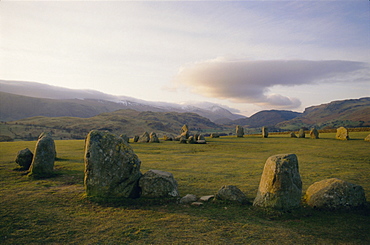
<point x="112" y="169"/>
<point x="301" y="133"/>
<point x="231" y="193"/>
<point x="191" y="140"/>
<point x="43" y="161"/>
<point x="335" y="194"/>
<point x="156" y="183"/>
<point x="167" y="138"/>
<point x="239" y="131"/>
<point x="153" y="138"/>
<point x="183" y="140"/>
<point x="185" y="131"/>
<point x="125" y="138"/>
<point x="201" y="139"/>
<point x="342" y="134"/>
<point x="367" y="138"/>
<point x="24" y="158"/>
<point x="136" y="138"/>
<point x="293" y="135"/>
<point x="314" y="134"/>
<point x="280" y="186"/>
<point x="144" y="138"/>
<point x="265" y="132"/>
<point x="215" y="135"/>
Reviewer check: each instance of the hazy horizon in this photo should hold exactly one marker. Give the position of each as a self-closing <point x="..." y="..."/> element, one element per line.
<point x="246" y="55"/>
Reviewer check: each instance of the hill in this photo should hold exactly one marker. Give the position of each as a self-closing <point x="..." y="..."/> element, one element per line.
<point x="267" y="118"/>
<point x="129" y="122"/>
<point x="347" y="113"/>
<point x="20" y="100"/>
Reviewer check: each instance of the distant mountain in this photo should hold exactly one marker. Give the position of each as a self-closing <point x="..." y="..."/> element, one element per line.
<point x="26" y="99"/>
<point x="129" y="122"/>
<point x="267" y="118"/>
<point x="347" y="113"/>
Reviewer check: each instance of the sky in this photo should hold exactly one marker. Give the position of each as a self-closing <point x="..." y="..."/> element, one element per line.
<point x="246" y="55"/>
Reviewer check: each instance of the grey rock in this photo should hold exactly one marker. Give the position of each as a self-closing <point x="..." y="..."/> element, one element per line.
<point x="342" y="134"/>
<point x="43" y="160"/>
<point x="314" y="134"/>
<point x="136" y="138"/>
<point x="265" y="132"/>
<point x="157" y="183"/>
<point x="231" y="193"/>
<point x="189" y="198"/>
<point x="144" y="138"/>
<point x="153" y="138"/>
<point x="191" y="140"/>
<point x="293" y="135"/>
<point x="112" y="169"/>
<point x="280" y="186"/>
<point x="206" y="198"/>
<point x="183" y="140"/>
<point x="334" y="194"/>
<point x="24" y="158"/>
<point x="239" y="131"/>
<point x="215" y="135"/>
<point x="197" y="204"/>
<point x="367" y="138"/>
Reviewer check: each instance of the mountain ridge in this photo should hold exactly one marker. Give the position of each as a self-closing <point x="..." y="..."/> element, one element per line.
<point x="80" y="98"/>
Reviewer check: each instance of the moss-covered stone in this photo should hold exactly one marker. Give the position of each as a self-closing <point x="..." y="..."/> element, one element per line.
<point x="335" y="194"/>
<point x="280" y="186"/>
<point x="342" y="134"/>
<point x="112" y="169"/>
<point x="42" y="165"/>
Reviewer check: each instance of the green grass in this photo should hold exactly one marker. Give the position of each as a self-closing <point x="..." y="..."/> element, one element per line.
<point x="55" y="210"/>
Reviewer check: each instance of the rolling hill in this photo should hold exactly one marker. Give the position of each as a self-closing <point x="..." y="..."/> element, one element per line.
<point x="20" y="100"/>
<point x="129" y="122"/>
<point x="347" y="113"/>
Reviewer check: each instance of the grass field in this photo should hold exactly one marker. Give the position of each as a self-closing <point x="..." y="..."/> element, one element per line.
<point x="55" y="211"/>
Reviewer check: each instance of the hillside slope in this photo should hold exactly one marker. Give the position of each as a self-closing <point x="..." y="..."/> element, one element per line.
<point x="127" y="122"/>
<point x="267" y="118"/>
<point x="46" y="100"/>
<point x="348" y="113"/>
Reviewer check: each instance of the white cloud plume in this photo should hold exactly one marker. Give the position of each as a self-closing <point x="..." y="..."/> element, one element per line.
<point x="246" y="81"/>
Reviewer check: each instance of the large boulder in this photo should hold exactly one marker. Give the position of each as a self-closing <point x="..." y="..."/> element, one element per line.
<point x="335" y="194"/>
<point x="157" y="183"/>
<point x="280" y="186"/>
<point x="265" y="132"/>
<point x="24" y="158"/>
<point x="144" y="138"/>
<point x="239" y="131"/>
<point x="314" y="134"/>
<point x="231" y="193"/>
<point x="301" y="133"/>
<point x="342" y="134"/>
<point x="42" y="165"/>
<point x="112" y="169"/>
<point x="153" y="138"/>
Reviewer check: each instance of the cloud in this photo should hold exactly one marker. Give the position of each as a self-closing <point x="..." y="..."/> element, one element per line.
<point x="251" y="81"/>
